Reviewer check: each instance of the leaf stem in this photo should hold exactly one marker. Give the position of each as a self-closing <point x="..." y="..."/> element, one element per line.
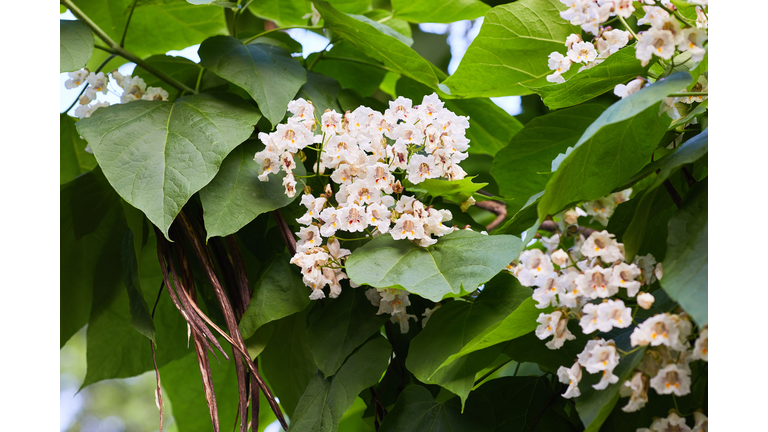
<point x="629" y="29"/>
<point x="130" y="15"/>
<point x="689" y="94"/>
<point x="199" y="79"/>
<point x="252" y="38"/>
<point x="319" y="56"/>
<point x="122" y="52"/>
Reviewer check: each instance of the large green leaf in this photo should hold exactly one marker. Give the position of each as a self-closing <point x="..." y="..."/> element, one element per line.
<point x="141" y="319"/>
<point x="524" y="403"/>
<point x="619" y="68"/>
<point x="326" y="399"/>
<point x="287" y="361"/>
<point x="386" y="47"/>
<point x="457" y="263"/>
<point x="279" y="292"/>
<point x="448" y="11"/>
<point x="236" y="196"/>
<point x="457" y="191"/>
<point x="89" y="258"/>
<point x="417" y="411"/>
<point x="268" y="73"/>
<point x="511" y="50"/>
<point x="282" y="12"/>
<point x="338" y="63"/>
<point x="75" y="45"/>
<point x="157" y="154"/>
<point x="613" y="148"/>
<point x="522" y="168"/>
<point x="341" y="325"/>
<point x="322" y="91"/>
<point x="448" y="351"/>
<point x="529" y="348"/>
<point x="686" y="265"/>
<point x="156" y="27"/>
<point x="73" y="159"/>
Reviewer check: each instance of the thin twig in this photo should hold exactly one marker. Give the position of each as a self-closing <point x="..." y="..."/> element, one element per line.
<point x="288" y="238"/>
<point x="130" y="15"/>
<point x="496" y="207"/>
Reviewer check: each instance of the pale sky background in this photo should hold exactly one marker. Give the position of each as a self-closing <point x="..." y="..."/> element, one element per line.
<point x="460" y="35"/>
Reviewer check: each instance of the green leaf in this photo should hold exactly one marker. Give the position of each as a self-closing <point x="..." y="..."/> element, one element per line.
<point x="157" y="154"/>
<point x="686" y="265"/>
<point x="635" y="234"/>
<point x="522" y="168"/>
<point x="279" y="292"/>
<point x="74" y="160"/>
<point x="417" y="411"/>
<point x="236" y="196"/>
<point x="338" y="328"/>
<point x="87" y="259"/>
<point x="619" y="68"/>
<point x="425" y="11"/>
<point x="141" y="320"/>
<point x="458" y="262"/>
<point x="268" y="73"/>
<point x="452" y="348"/>
<point x="156" y="27"/>
<point x="322" y="91"/>
<point x="360" y="77"/>
<point x="75" y="45"/>
<point x="524" y="403"/>
<point x="287" y="361"/>
<point x="282" y="12"/>
<point x="385" y="47"/>
<point x="523" y="221"/>
<point x="634" y="220"/>
<point x="511" y="50"/>
<point x="457" y="191"/>
<point x="326" y="399"/>
<point x="612" y="149"/>
<point x="399" y="25"/>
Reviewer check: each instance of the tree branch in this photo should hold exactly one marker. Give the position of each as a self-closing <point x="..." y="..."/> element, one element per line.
<point x="496" y="207"/>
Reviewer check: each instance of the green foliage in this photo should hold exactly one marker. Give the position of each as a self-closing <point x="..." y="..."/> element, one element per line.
<point x="266" y="72"/>
<point x="511" y="50"/>
<point x="424" y="11"/>
<point x="236" y="196"/>
<point x="417" y="410"/>
<point x="685" y="269"/>
<point x="74" y="159"/>
<point x="282" y="12"/>
<point x="141" y="319"/>
<point x="457" y="191"/>
<point x="152" y="152"/>
<point x="75" y="45"/>
<point x="458" y="263"/>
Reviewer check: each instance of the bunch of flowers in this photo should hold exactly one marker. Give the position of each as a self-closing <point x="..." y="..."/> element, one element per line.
<point x="369" y="154"/>
<point x="584" y="283"/>
<point x="132" y="88"/>
<point x="669" y="33"/>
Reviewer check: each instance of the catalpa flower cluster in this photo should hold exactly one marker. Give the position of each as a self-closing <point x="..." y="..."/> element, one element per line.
<point x="133" y="88"/>
<point x="369" y="153"/>
<point x="593" y="284"/>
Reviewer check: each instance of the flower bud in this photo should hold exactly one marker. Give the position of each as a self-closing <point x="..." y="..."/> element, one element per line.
<point x="467" y="204"/>
<point x="645" y="300"/>
<point x="559" y="257"/>
<point x="571" y="217"/>
<point x="658" y="271"/>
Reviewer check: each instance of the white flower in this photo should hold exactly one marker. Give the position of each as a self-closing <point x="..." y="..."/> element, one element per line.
<point x="314" y="207"/>
<point x="660" y="43"/>
<point x="672" y="379"/>
<point x="548" y="290"/>
<point x="428" y="313"/>
<point x="98" y="82"/>
<point x="352" y="218"/>
<point x="559" y="63"/>
<point x="616" y="39"/>
<point x="661" y="329"/>
<point x="623" y="8"/>
<point x="533" y="263"/>
<point x="633" y="86"/>
<point x="155" y="94"/>
<point x="560" y="257"/>
<point x="331" y="122"/>
<point x="76" y="78"/>
<point x="672" y="423"/>
<point x="702" y="422"/>
<point x="301" y="109"/>
<point x="624" y="276"/>
<point x="407" y="226"/>
<point x="399" y="109"/>
<point x="672" y="25"/>
<point x="269" y="162"/>
<point x="601" y="209"/>
<point x="595" y="282"/>
<point x="669" y="106"/>
<point x="554" y="324"/>
<point x="701" y="347"/>
<point x="654" y="15"/>
<point x="133" y="89"/>
<point x="551" y="243"/>
<point x="658" y="271"/>
<point x="582" y="52"/>
<point x="638" y="397"/>
<point x="645" y="300"/>
<point x="84" y="111"/>
<point x="394" y="302"/>
<point x="701" y="18"/>
<point x="693" y="41"/>
<point x="421" y="168"/>
<point x="572" y="377"/>
<point x="572" y="39"/>
<point x="309" y="237"/>
<point x="556" y="78"/>
<point x="700" y="86"/>
<point x="600" y="356"/>
<point x="601" y="244"/>
<point x="378" y="216"/>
